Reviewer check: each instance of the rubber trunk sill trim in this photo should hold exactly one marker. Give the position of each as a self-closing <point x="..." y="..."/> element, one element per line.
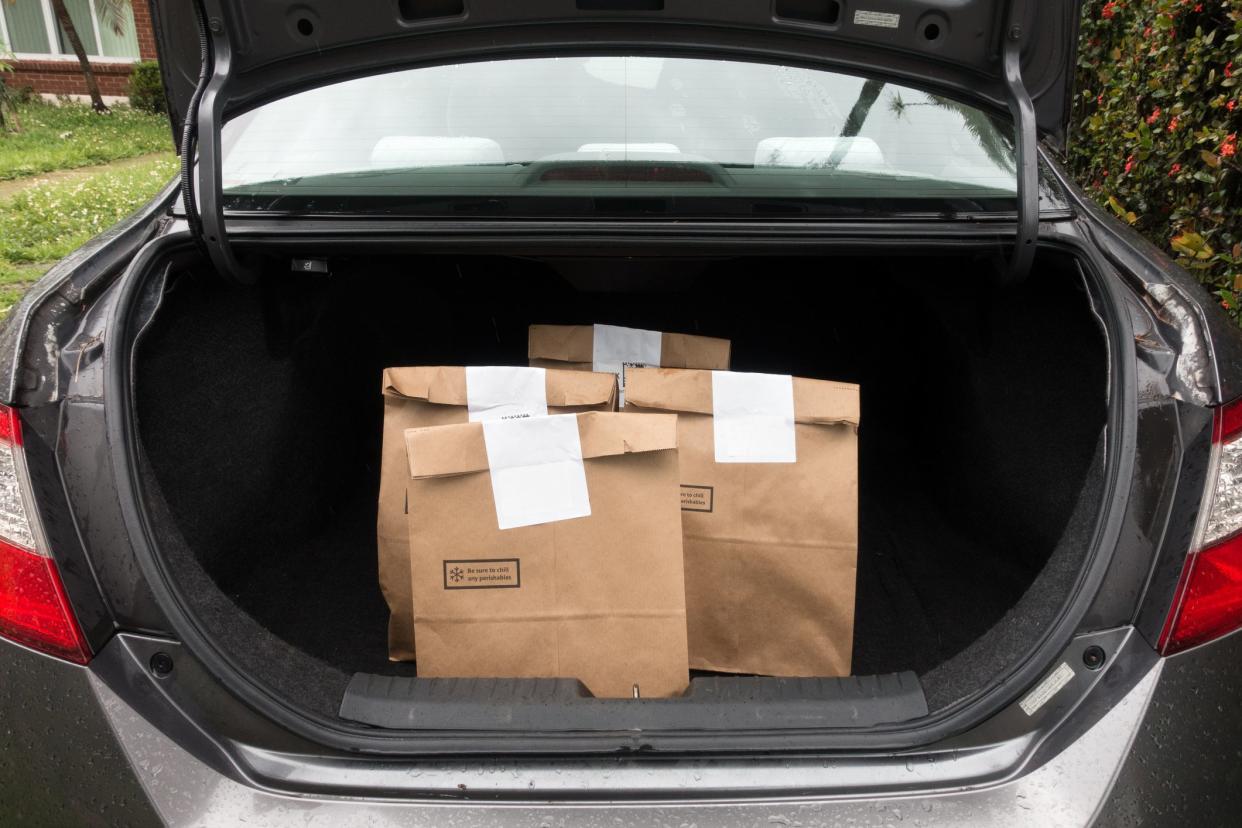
<point x="556" y="704"/>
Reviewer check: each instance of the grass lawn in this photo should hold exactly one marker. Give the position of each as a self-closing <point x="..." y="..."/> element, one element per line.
<point x="47" y="220"/>
<point x="71" y="135"/>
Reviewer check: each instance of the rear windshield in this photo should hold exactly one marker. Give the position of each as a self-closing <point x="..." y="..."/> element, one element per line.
<point x="581" y="136"/>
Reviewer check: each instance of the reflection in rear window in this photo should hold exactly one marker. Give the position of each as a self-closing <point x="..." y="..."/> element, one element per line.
<point x="601" y="134"/>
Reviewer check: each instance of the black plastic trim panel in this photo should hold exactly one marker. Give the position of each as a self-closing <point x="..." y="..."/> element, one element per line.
<point x="552" y="704"/>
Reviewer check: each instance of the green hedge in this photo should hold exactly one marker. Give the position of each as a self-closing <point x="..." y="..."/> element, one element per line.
<point x="146" y="88"/>
<point x="1156" y="123"/>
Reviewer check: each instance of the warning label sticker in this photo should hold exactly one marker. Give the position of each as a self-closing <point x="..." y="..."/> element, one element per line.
<point x="884" y="20"/>
<point x="1046" y="689"/>
<point x="483" y="573"/>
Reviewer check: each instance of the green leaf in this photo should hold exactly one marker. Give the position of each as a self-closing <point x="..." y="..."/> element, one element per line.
<point x="1210" y="158"/>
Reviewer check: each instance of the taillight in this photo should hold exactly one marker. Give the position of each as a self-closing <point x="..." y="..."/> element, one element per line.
<point x="1208" y="600"/>
<point x="34" y="609"/>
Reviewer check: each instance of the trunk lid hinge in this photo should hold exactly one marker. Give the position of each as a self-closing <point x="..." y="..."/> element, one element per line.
<point x="201" y="182"/>
<point x="1026" y="142"/>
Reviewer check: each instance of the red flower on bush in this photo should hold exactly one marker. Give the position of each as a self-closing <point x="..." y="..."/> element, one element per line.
<point x="1231" y="105"/>
<point x="1173" y="124"/>
<point x="1155" y="114"/>
<point x="1229" y="146"/>
<point x="1130" y="163"/>
<point x="1229" y="69"/>
<point x="1175" y="169"/>
<point x="1110" y="9"/>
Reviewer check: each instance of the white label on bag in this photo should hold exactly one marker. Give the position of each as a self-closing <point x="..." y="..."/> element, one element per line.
<point x="753" y="418"/>
<point x="614" y="349"/>
<point x="503" y="393"/>
<point x="536" y="469"/>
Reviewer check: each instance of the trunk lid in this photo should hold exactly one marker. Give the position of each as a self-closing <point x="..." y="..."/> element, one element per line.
<point x="1017" y="55"/>
<point x="954" y="45"/>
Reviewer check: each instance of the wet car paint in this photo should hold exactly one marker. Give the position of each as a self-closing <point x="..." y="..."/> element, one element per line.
<point x="1067" y="790"/>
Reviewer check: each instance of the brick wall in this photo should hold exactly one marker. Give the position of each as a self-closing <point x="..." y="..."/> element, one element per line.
<point x="144" y="29"/>
<point x="64" y="77"/>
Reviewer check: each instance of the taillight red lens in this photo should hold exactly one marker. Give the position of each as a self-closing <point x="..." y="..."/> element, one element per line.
<point x="1208" y="600"/>
<point x="34" y="609"/>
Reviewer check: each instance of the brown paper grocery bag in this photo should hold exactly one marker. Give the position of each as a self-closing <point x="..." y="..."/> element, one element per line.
<point x="770" y="546"/>
<point x="585" y="582"/>
<point x="427" y="396"/>
<point x="616" y="349"/>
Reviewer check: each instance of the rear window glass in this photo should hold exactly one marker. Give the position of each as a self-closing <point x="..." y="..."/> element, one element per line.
<point x="571" y="136"/>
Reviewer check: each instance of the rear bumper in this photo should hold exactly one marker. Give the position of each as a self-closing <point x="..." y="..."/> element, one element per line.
<point x="1183" y="766"/>
<point x="76" y="750"/>
<point x="61" y="762"/>
<point x="1068" y="789"/>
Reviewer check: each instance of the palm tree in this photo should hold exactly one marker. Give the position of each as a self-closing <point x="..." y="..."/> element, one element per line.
<point x="995" y="143"/>
<point x="75" y="43"/>
<point x="867" y="96"/>
<point x="111" y="12"/>
<point x="7" y="103"/>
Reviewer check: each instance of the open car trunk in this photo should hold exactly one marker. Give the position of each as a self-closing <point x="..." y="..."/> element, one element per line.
<point x="980" y="450"/>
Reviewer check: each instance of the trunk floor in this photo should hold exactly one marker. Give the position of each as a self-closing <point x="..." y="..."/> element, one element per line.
<point x="916" y="606"/>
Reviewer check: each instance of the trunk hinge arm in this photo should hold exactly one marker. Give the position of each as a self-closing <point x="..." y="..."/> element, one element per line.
<point x="201" y="181"/>
<point x="1027" y="154"/>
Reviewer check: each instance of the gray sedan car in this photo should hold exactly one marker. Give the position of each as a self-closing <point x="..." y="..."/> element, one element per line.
<point x="1050" y="477"/>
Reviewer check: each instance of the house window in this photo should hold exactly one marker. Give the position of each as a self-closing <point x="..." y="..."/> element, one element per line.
<point x="28" y="29"/>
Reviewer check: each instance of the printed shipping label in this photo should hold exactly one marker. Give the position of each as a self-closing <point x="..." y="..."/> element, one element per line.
<point x="885" y="20"/>
<point x="536" y="470"/>
<point x="697" y="498"/>
<point x="504" y="393"/>
<point x="483" y="573"/>
<point x="753" y="418"/>
<point x="613" y="349"/>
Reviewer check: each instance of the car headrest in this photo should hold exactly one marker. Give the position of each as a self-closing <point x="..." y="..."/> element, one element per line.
<point x="858" y="154"/>
<point x="629" y="152"/>
<point x="394" y="151"/>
